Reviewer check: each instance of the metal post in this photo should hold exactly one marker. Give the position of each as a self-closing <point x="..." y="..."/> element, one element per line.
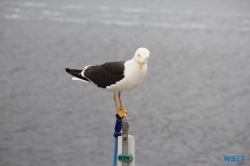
<point x="125" y="128"/>
<point x="126" y="145"/>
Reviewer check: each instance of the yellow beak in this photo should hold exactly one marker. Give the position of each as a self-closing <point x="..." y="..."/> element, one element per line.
<point x="141" y="63"/>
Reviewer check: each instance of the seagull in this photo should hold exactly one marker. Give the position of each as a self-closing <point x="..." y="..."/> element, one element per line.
<point x="116" y="77"/>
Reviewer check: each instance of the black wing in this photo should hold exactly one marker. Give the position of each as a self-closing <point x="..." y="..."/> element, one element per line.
<point x="106" y="74"/>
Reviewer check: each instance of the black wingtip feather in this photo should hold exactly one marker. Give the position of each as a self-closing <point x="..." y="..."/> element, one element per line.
<point x="76" y="73"/>
<point x="67" y="70"/>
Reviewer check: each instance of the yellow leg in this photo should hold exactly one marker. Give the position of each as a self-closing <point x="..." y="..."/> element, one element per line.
<point x="115" y="103"/>
<point x="121" y="107"/>
<point x="119" y="97"/>
<point x="120" y="111"/>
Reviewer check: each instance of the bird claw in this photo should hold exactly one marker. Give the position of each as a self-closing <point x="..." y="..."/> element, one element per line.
<point x="122" y="112"/>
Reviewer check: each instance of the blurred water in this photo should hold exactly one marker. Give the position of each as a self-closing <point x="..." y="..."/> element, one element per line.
<point x="191" y="109"/>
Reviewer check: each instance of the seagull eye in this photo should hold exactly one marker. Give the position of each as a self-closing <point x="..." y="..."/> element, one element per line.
<point x="138" y="55"/>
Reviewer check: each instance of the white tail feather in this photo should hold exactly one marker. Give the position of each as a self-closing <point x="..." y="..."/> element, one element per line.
<point x="78" y="79"/>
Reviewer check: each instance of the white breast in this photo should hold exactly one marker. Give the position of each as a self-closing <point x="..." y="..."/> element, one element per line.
<point x="133" y="76"/>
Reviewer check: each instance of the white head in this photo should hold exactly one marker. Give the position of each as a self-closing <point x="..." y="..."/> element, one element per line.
<point x="141" y="56"/>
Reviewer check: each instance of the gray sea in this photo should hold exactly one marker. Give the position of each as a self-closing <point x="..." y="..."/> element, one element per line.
<point x="192" y="108"/>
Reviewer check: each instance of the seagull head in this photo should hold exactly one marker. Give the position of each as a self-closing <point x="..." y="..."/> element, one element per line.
<point x="141" y="56"/>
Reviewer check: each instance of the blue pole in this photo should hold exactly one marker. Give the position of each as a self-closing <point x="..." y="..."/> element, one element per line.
<point x="117" y="132"/>
<point x="115" y="151"/>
